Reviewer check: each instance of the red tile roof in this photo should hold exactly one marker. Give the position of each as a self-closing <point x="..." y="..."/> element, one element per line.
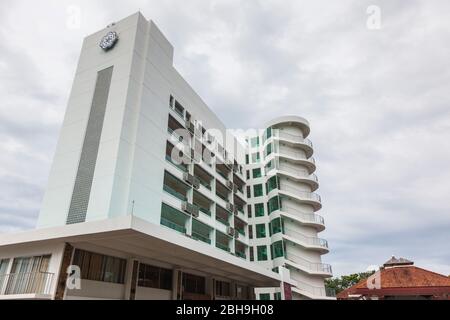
<point x="402" y="277"/>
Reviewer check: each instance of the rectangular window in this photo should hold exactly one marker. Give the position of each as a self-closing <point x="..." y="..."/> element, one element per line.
<point x="260" y="231"/>
<point x="264" y="296"/>
<point x="255" y="142"/>
<point x="270" y="166"/>
<point x="194" y="284"/>
<point x="268" y="150"/>
<point x="272" y="184"/>
<point x="273" y="204"/>
<point x="250" y="232"/>
<point x="154" y="277"/>
<point x="223" y="289"/>
<point x="268" y="133"/>
<point x="252" y="254"/>
<point x="98" y="267"/>
<point x="249" y="192"/>
<point x="248" y="174"/>
<point x="3" y="267"/>
<point x="276" y="226"/>
<point x="249" y="211"/>
<point x="277" y="250"/>
<point x="256" y="158"/>
<point x="247" y="159"/>
<point x="258" y="190"/>
<point x="262" y="253"/>
<point x="257" y="173"/>
<point x="259" y="210"/>
<point x="277" y="295"/>
<point x="179" y="109"/>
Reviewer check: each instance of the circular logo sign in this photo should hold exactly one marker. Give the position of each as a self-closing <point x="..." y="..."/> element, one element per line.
<point x="109" y="41"/>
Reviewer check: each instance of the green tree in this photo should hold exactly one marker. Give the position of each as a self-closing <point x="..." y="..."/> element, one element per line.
<point x="345" y="282"/>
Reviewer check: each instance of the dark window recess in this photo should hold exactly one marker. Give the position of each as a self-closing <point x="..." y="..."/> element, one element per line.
<point x="223" y="289"/>
<point x="98" y="267"/>
<point x="155" y="277"/>
<point x="194" y="284"/>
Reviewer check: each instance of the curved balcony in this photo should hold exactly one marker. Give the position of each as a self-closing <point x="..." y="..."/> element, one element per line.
<point x="296" y="141"/>
<point x="298" y="158"/>
<point x="310" y="198"/>
<point x="313" y="292"/>
<point x="312" y="243"/>
<point x="298" y="174"/>
<point x="308" y="219"/>
<point x="304" y="265"/>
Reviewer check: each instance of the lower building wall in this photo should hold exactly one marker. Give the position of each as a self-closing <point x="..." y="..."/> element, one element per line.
<point x="152" y="294"/>
<point x="97" y="290"/>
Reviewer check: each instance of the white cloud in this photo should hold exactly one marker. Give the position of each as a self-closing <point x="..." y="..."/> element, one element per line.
<point x="377" y="100"/>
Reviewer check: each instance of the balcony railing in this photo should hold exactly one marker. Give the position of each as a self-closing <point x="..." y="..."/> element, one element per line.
<point x="172" y="162"/>
<point x="26" y="283"/>
<point x="296" y="138"/>
<point x="240" y="255"/>
<point x="310" y="241"/>
<point x="172" y="225"/>
<point x="302" y="194"/>
<point x="223" y="247"/>
<point x="223" y="220"/>
<point x="310" y="266"/>
<point x="200" y="237"/>
<point x="179" y="138"/>
<point x="307" y="217"/>
<point x="205" y="211"/>
<point x="316" y="291"/>
<point x="297" y="155"/>
<point x="174" y="193"/>
<point x="295" y="171"/>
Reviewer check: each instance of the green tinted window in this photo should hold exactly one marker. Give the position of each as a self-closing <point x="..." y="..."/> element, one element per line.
<point x="276" y="226"/>
<point x="259" y="210"/>
<point x="258" y="190"/>
<point x="260" y="231"/>
<point x="273" y="205"/>
<point x="272" y="184"/>
<point x="277" y="250"/>
<point x="257" y="173"/>
<point x="262" y="253"/>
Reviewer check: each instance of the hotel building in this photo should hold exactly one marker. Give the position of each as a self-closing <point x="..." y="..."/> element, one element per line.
<point x="151" y="197"/>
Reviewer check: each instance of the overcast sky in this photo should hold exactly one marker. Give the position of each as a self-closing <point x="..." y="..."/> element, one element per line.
<point x="377" y="99"/>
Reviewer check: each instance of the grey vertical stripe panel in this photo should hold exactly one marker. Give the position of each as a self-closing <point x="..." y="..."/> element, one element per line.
<point x="83" y="182"/>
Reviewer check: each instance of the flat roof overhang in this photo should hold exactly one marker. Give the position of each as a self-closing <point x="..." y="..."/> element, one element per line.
<point x="139" y="238"/>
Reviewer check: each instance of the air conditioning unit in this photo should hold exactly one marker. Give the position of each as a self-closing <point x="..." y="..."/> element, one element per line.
<point x="230" y="207"/>
<point x="235" y="188"/>
<point x="236" y="234"/>
<point x="235" y="211"/>
<point x="191" y="209"/>
<point x="196" y="183"/>
<point x="195" y="212"/>
<point x="230" y="185"/>
<point x="231" y="231"/>
<point x="189" y="178"/>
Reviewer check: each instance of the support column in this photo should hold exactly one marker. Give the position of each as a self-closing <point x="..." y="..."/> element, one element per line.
<point x="131" y="278"/>
<point x="61" y="284"/>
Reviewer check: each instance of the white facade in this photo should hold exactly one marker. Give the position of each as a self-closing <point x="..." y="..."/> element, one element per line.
<point x="115" y="173"/>
<point x="284" y="218"/>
